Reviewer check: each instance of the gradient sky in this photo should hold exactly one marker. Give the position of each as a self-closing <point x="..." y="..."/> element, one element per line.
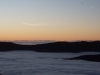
<point x="50" y="20"/>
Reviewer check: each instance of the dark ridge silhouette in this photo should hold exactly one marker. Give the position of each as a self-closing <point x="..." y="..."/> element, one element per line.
<point x="95" y="58"/>
<point x="9" y="46"/>
<point x="81" y="46"/>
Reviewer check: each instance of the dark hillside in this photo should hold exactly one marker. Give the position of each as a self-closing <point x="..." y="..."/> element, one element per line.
<point x="81" y="46"/>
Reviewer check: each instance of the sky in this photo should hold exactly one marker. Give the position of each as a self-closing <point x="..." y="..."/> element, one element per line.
<point x="50" y="20"/>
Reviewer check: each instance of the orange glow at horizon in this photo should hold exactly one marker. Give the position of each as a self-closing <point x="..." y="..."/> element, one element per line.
<point x="56" y="38"/>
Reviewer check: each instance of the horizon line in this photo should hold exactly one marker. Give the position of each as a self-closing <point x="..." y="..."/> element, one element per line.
<point x="43" y="40"/>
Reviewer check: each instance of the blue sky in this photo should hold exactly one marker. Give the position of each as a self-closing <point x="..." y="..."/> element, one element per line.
<point x="50" y="19"/>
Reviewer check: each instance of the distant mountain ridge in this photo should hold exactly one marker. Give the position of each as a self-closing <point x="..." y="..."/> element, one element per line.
<point x="95" y="58"/>
<point x="81" y="46"/>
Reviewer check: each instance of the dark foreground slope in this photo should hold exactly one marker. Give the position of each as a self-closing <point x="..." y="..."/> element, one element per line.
<point x="95" y="58"/>
<point x="81" y="46"/>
